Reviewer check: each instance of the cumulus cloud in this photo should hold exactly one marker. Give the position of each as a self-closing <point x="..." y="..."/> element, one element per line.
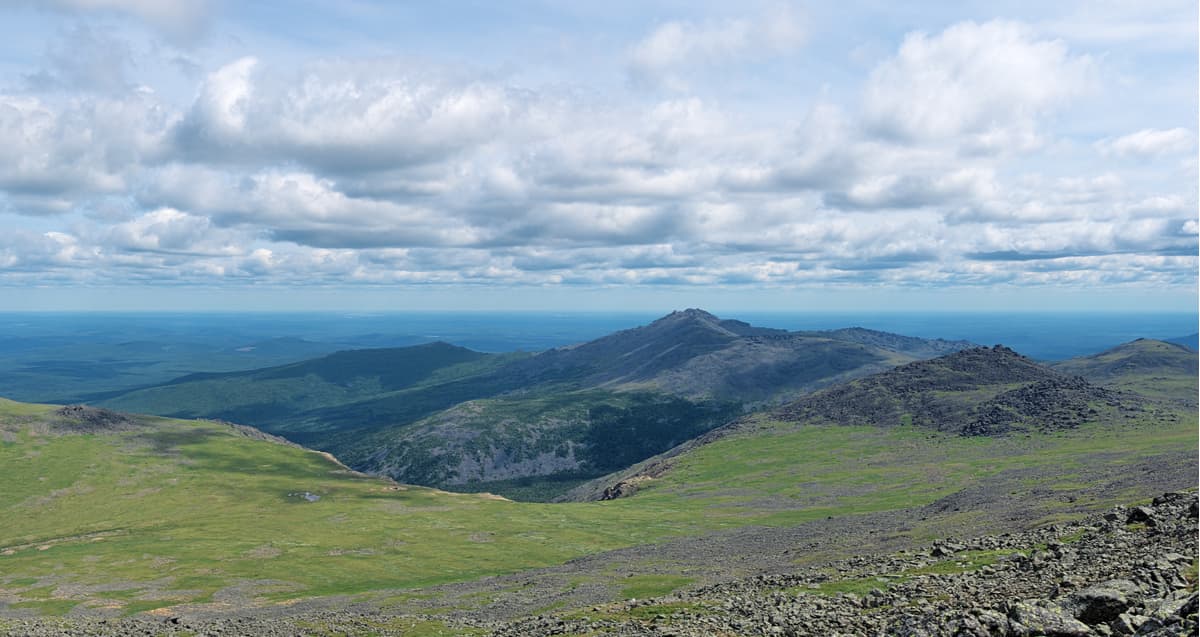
<point x="344" y="117"/>
<point x="378" y="171"/>
<point x="1150" y="142"/>
<point x="917" y="191"/>
<point x="661" y="59"/>
<point x="73" y="150"/>
<point x="174" y="232"/>
<point x="984" y="85"/>
<point x="300" y="207"/>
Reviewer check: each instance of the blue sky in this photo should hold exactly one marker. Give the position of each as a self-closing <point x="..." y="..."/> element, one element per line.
<point x="618" y="155"/>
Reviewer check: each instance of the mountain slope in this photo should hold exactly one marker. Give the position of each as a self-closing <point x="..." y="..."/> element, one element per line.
<point x="446" y="416"/>
<point x="115" y="513"/>
<point x="595" y="407"/>
<point x="693" y="353"/>
<point x="276" y="398"/>
<point x="1154" y="368"/>
<point x="976" y="393"/>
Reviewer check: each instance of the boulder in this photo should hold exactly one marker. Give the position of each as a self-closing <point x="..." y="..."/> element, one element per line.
<point x="1101" y="603"/>
<point x="1140" y="515"/>
<point x="1049" y="620"/>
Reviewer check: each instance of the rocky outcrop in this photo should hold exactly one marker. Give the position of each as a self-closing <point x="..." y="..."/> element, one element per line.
<point x="88" y="420"/>
<point x="979" y="391"/>
<point x="1045" y="405"/>
<point x="1124" y="573"/>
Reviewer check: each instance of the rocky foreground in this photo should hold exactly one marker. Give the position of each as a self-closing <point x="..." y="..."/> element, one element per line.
<point x="1131" y="571"/>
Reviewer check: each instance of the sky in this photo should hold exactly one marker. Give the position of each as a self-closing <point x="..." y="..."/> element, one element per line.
<point x="625" y="155"/>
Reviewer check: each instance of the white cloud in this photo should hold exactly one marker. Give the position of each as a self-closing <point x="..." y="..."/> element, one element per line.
<point x="56" y="155"/>
<point x="1150" y="142"/>
<point x="345" y="116"/>
<point x="963" y="186"/>
<point x="300" y="207"/>
<point x="662" y="57"/>
<point x="385" y="170"/>
<point x="170" y="231"/>
<point x="984" y="85"/>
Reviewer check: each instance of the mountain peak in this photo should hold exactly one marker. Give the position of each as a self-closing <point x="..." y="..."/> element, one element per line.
<point x="1142" y="365"/>
<point x="691" y="319"/>
<point x="693" y="313"/>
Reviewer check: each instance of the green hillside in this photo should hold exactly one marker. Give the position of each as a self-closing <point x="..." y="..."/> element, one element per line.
<point x="279" y="397"/>
<point x="991" y="393"/>
<point x="110" y="514"/>
<point x="141" y="512"/>
<point x="1149" y="367"/>
<point x="445" y="416"/>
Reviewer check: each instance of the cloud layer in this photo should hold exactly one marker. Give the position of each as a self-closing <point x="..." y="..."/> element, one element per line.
<point x="944" y="163"/>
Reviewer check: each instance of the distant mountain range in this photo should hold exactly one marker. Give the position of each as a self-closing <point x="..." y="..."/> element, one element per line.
<point x="442" y="415"/>
<point x="1191" y="341"/>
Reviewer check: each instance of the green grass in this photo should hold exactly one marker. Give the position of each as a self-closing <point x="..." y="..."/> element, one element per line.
<point x="1148" y="367"/>
<point x="818" y="470"/>
<point x="963" y="562"/>
<point x="179" y="510"/>
<point x="49" y="606"/>
<point x="857" y="586"/>
<point x="643" y="586"/>
<point x="12" y="408"/>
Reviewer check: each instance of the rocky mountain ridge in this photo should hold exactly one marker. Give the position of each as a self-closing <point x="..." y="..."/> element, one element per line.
<point x="445" y="416"/>
<point x="978" y="391"/>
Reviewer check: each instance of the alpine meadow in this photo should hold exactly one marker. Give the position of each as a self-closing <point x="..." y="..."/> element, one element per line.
<point x="521" y="319"/>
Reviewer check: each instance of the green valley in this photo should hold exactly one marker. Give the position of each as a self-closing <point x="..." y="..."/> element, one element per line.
<point x="106" y="514"/>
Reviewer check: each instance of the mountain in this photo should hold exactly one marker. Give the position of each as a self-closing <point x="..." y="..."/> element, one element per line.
<point x="442" y="415"/>
<point x="1153" y="368"/>
<point x="985" y="392"/>
<point x="694" y="354"/>
<point x="278" y="398"/>
<point x="1191" y="341"/>
<point x="108" y="514"/>
<point x="978" y="391"/>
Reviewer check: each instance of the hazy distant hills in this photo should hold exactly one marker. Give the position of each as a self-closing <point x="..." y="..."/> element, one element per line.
<point x="1192" y="341"/>
<point x="442" y="415"/>
<point x="290" y="398"/>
